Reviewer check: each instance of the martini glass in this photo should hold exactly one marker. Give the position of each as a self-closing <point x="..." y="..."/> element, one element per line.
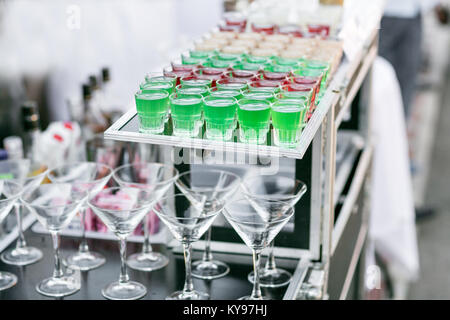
<point x="156" y="178"/>
<point x="9" y="194"/>
<point x="273" y="188"/>
<point x="216" y="186"/>
<point x="54" y="205"/>
<point x="29" y="175"/>
<point x="187" y="222"/>
<point x="90" y="177"/>
<point x="121" y="216"/>
<point x="257" y="228"/>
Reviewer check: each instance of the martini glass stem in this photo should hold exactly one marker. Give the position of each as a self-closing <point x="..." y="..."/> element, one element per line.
<point x="57" y="273"/>
<point x="270" y="263"/>
<point x="147" y="246"/>
<point x="256" y="293"/>
<point x="21" y="243"/>
<point x="123" y="257"/>
<point x="188" y="284"/>
<point x="207" y="255"/>
<point x="83" y="247"/>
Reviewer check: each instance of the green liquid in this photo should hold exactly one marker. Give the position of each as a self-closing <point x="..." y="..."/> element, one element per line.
<point x="260" y="95"/>
<point x="248" y="66"/>
<point x="153" y="86"/>
<point x="201" y="54"/>
<point x="230" y="57"/>
<point x="226" y="93"/>
<point x="220" y="117"/>
<point x="196" y="83"/>
<point x="295" y="63"/>
<point x="201" y="90"/>
<point x="231" y="86"/>
<point x="186" y="115"/>
<point x="288" y="120"/>
<point x="257" y="60"/>
<point x="253" y="118"/>
<point x="152" y="111"/>
<point x="279" y="68"/>
<point x="192" y="61"/>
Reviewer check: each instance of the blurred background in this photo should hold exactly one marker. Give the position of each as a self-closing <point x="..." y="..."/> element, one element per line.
<point x="49" y="49"/>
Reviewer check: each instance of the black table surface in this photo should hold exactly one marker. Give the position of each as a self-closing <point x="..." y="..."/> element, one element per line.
<point x="159" y="283"/>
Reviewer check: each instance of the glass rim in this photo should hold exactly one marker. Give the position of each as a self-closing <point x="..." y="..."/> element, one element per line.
<point x="180" y="87"/>
<point x="105" y="166"/>
<point x="177" y="195"/>
<point x="143" y="85"/>
<point x="247" y="100"/>
<point x="285" y="216"/>
<point x="84" y="193"/>
<point x="143" y="206"/>
<point x="245" y="182"/>
<point x="183" y="79"/>
<point x="141" y="94"/>
<point x="17" y="194"/>
<point x="278" y="103"/>
<point x="238" y="179"/>
<point x="156" y="164"/>
<point x="207" y="100"/>
<point x="174" y="96"/>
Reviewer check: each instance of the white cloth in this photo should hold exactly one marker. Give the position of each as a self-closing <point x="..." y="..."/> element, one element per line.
<point x="392" y="222"/>
<point x="407" y="8"/>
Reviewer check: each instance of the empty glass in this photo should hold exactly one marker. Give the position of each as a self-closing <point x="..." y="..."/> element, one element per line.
<point x="9" y="194"/>
<point x="54" y="206"/>
<point x="261" y="191"/>
<point x="90" y="177"/>
<point x="155" y="178"/>
<point x="187" y="222"/>
<point x="121" y="217"/>
<point x="29" y="175"/>
<point x="209" y="189"/>
<point x="257" y="228"/>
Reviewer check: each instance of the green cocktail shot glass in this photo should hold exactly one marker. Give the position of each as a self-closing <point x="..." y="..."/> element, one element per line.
<point x="161" y="85"/>
<point x="260" y="95"/>
<point x="232" y="84"/>
<point x="200" y="90"/>
<point x="288" y="119"/>
<point x="152" y="109"/>
<point x="254" y="121"/>
<point x="186" y="111"/>
<point x="160" y="77"/>
<point x="192" y="81"/>
<point x="220" y="117"/>
<point x="226" y="93"/>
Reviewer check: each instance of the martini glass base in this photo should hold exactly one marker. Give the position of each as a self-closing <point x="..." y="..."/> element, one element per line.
<point x="209" y="270"/>
<point x="124" y="291"/>
<point x="7" y="280"/>
<point x="21" y="256"/>
<point x="249" y="298"/>
<point x="194" y="295"/>
<point x="85" y="261"/>
<point x="272" y="278"/>
<point x="147" y="261"/>
<point x="58" y="287"/>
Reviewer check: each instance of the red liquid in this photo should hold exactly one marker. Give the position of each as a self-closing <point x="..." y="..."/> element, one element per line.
<point x="227" y="28"/>
<point x="213" y="78"/>
<point x="275" y="76"/>
<point x="319" y="29"/>
<point x="183" y="67"/>
<point x="233" y="80"/>
<point x="210" y="71"/>
<point x="242" y="74"/>
<point x="292" y="30"/>
<point x="264" y="28"/>
<point x="265" y="84"/>
<point x="178" y="74"/>
<point x="235" y="19"/>
<point x="308" y="81"/>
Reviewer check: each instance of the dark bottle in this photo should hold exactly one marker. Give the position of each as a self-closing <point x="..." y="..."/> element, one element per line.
<point x="31" y="129"/>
